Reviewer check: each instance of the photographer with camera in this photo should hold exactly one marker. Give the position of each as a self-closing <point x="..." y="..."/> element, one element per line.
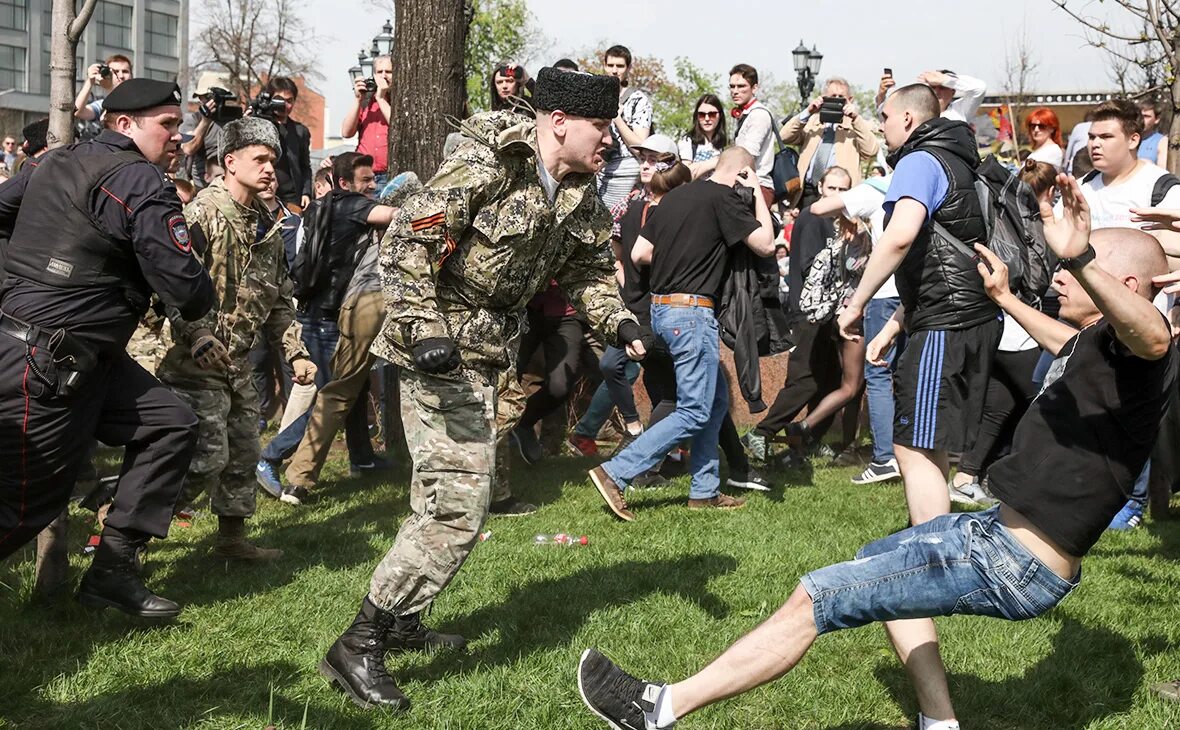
<point x="105" y="74"/>
<point x="369" y="117"/>
<point x="829" y="132"/>
<point x="275" y="102"/>
<point x="218" y="107"/>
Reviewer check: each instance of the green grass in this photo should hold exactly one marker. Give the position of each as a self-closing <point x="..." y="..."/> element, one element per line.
<point x="662" y="596"/>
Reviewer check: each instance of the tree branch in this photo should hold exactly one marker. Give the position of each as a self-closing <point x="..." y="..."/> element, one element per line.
<point x="1092" y="25"/>
<point x="74" y="32"/>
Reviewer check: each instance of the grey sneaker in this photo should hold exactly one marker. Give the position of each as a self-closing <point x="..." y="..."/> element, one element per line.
<point x="755" y="444"/>
<point x="877" y="472"/>
<point x="970" y="493"/>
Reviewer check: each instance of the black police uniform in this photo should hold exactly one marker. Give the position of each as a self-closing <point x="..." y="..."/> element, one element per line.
<point x="96" y="229"/>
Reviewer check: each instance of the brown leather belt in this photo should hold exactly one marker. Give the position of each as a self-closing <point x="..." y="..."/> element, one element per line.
<point x="682" y="300"/>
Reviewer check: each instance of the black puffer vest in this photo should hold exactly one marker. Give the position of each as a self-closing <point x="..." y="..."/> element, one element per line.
<point x="938" y="282"/>
<point x="57" y="241"/>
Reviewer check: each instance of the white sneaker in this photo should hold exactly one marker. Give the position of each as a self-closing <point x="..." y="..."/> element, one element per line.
<point x="878" y="472"/>
<point x="969" y="493"/>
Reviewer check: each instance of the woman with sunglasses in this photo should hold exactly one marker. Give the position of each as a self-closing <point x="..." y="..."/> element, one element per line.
<point x="700" y="147"/>
<point x="1044" y="130"/>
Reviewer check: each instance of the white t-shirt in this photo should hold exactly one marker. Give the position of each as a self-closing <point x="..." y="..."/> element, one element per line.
<point x="1110" y="206"/>
<point x="1014" y="338"/>
<point x="864" y="202"/>
<point x="1049" y="153"/>
<point x="757" y="138"/>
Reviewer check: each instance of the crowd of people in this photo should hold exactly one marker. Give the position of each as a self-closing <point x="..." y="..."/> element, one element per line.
<point x="562" y="240"/>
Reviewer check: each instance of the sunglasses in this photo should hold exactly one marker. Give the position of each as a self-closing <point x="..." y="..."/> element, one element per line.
<point x="1038" y="125"/>
<point x="708" y="115"/>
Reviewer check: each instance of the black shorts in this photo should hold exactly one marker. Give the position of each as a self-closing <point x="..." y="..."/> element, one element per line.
<point x="940" y="385"/>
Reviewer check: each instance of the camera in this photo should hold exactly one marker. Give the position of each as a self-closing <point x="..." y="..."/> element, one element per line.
<point x="832" y="109"/>
<point x="104" y="70"/>
<point x="266" y="106"/>
<point x="226" y="107"/>
<point x="371" y="86"/>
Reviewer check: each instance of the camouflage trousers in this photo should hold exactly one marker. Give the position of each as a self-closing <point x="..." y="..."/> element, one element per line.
<point x="452" y="432"/>
<point x="227" y="448"/>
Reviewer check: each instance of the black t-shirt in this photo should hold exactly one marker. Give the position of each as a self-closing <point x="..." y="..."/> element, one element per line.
<point x="1085" y="438"/>
<point x="350" y="233"/>
<point x="636" y="289"/>
<point x="809" y="236"/>
<point x="692" y="235"/>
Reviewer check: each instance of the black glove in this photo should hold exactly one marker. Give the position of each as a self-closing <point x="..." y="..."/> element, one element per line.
<point x="436" y="355"/>
<point x="628" y="332"/>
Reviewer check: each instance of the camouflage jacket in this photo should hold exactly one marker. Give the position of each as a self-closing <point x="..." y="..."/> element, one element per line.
<point x="252" y="284"/>
<point x="468" y="251"/>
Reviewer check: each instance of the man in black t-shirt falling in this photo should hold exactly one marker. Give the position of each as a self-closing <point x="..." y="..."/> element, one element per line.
<point x="1075" y="456"/>
<point x="687" y="241"/>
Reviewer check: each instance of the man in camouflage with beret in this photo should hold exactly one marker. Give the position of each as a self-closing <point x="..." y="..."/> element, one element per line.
<point x="512" y="207"/>
<point x="241" y="243"/>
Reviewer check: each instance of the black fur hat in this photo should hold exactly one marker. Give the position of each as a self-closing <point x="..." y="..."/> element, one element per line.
<point x="577" y="93"/>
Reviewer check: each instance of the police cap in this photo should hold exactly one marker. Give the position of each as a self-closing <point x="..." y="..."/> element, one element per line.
<point x="135" y="94"/>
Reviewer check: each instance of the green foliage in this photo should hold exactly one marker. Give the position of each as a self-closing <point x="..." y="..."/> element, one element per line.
<point x="674" y="99"/>
<point x="663" y="596"/>
<point x="501" y="30"/>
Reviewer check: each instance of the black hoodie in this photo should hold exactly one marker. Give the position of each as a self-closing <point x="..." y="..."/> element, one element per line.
<point x="937" y="281"/>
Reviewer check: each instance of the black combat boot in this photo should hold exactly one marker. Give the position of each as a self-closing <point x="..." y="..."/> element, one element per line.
<point x="409" y="634"/>
<point x="113" y="579"/>
<point x="356" y="662"/>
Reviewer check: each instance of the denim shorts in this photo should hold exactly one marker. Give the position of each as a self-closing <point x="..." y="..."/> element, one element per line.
<point x="967" y="563"/>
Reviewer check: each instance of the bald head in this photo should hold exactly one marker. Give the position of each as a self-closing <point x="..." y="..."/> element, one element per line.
<point x="733" y="160"/>
<point x="917" y="99"/>
<point x="1125" y="252"/>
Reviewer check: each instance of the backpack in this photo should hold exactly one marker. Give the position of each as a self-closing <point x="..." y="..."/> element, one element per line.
<point x="823" y="285"/>
<point x="311" y="273"/>
<point x="1015" y="233"/>
<point x="784" y="172"/>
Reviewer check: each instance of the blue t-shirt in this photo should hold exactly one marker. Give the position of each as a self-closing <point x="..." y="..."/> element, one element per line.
<point x="921" y="177"/>
<point x="1149" y="147"/>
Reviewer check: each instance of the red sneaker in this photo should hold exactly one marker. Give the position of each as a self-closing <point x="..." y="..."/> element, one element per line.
<point x="584" y="445"/>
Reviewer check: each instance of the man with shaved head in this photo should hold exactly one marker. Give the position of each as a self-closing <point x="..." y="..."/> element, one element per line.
<point x="1075" y="455"/>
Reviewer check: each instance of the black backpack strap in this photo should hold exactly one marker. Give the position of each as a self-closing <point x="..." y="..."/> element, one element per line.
<point x="1166" y="182"/>
<point x="1089" y="176"/>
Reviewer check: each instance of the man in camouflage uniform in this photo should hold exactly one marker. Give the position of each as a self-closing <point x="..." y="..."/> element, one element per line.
<point x="512" y="207"/>
<point x="241" y="244"/>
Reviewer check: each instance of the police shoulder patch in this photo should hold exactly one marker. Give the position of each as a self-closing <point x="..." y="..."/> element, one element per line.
<point x="178" y="232"/>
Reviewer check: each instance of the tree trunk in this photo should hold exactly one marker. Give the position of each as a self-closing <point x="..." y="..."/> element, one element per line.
<point x="429" y="82"/>
<point x="53" y="567"/>
<point x="1173" y="140"/>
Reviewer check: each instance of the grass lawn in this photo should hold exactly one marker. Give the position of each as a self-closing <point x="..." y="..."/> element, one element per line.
<point x="662" y="596"/>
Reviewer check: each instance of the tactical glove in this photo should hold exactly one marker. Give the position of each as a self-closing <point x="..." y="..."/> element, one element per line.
<point x="436" y="355"/>
<point x="208" y="352"/>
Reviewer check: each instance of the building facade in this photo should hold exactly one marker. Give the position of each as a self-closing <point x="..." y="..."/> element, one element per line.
<point x="152" y="33"/>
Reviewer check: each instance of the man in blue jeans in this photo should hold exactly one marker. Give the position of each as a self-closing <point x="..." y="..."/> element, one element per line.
<point x="1058" y="490"/>
<point x="687" y="241"/>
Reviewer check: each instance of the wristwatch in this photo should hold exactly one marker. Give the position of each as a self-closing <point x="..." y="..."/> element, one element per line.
<point x="1080" y="260"/>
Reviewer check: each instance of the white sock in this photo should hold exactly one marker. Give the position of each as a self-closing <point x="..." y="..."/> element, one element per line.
<point x="662" y="718"/>
<point x="925" y="723"/>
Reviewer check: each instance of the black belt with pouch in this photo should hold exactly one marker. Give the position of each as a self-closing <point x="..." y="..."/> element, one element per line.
<point x="72" y="359"/>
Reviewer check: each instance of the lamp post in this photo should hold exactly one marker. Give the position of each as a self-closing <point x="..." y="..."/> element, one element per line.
<point x="807" y="63"/>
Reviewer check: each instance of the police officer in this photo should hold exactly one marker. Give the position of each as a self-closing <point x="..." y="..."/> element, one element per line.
<point x="513" y="206"/>
<point x="100" y="229"/>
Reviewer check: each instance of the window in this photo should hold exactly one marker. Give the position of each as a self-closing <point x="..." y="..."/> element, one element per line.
<point x="12" y="68"/>
<point x="114" y="25"/>
<point x="12" y="14"/>
<point x="161" y="34"/>
<point x="159" y="74"/>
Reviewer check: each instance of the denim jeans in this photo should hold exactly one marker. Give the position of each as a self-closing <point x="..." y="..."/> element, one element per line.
<point x="879" y="379"/>
<point x="966" y="563"/>
<point x="1139" y="491"/>
<point x="602" y="403"/>
<point x="702" y="400"/>
<point x="320" y="337"/>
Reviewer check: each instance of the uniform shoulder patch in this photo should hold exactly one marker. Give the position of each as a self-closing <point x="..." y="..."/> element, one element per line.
<point x="178" y="232"/>
<point x="427" y="222"/>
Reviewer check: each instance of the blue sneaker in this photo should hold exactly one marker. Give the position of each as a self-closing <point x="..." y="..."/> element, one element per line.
<point x="267" y="474"/>
<point x="1128" y="518"/>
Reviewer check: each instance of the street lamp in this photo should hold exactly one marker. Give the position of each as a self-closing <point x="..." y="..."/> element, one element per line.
<point x="807" y="63"/>
<point x="382" y="46"/>
<point x="366" y="66"/>
<point x="383" y="42"/>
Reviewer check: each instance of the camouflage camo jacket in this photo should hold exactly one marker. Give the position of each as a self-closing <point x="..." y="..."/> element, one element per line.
<point x="467" y="252"/>
<point x="253" y="289"/>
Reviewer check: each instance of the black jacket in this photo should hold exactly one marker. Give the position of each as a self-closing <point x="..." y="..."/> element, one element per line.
<point x="293" y="167"/>
<point x="744" y="319"/>
<point x="937" y="281"/>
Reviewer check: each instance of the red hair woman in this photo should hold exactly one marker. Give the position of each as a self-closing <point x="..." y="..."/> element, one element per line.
<point x="1044" y="130"/>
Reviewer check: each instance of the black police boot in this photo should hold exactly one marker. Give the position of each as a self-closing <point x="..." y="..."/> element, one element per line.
<point x="409" y="634"/>
<point x="114" y="581"/>
<point x="356" y="662"/>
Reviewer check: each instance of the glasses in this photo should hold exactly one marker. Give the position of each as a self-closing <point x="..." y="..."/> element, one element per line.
<point x="708" y="115"/>
<point x="1038" y="125"/>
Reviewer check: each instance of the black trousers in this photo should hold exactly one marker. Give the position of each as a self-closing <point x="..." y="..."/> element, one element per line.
<point x="813" y="371"/>
<point x="1010" y="390"/>
<point x="563" y="343"/>
<point x="43" y="442"/>
<point x="267" y="361"/>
